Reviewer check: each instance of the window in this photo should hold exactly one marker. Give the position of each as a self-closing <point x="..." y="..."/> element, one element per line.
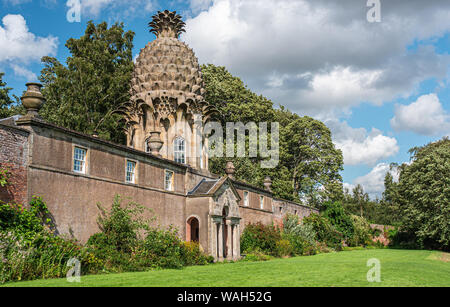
<point x="131" y="172"/>
<point x="245" y="199"/>
<point x="179" y="150"/>
<point x="261" y="202"/>
<point x="168" y="181"/>
<point x="147" y="146"/>
<point x="79" y="160"/>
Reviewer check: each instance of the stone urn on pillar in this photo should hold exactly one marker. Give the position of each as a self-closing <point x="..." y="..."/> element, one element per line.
<point x="154" y="143"/>
<point x="230" y="170"/>
<point x="33" y="99"/>
<point x="268" y="184"/>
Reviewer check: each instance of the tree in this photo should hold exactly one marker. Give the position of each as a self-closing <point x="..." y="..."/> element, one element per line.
<point x="424" y="195"/>
<point x="8" y="107"/>
<point x="309" y="163"/>
<point x="308" y="151"/>
<point x="85" y="94"/>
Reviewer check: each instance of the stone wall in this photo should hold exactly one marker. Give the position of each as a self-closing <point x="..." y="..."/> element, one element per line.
<point x="283" y="207"/>
<point x="14" y="157"/>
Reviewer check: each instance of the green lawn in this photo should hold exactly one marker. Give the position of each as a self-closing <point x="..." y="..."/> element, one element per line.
<point x="398" y="268"/>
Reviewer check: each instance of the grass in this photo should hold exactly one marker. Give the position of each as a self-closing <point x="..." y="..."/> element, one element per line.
<point x="403" y="268"/>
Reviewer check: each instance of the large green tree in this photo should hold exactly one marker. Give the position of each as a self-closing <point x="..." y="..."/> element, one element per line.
<point x="8" y="106"/>
<point x="424" y="195"/>
<point x="309" y="163"/>
<point x="84" y="94"/>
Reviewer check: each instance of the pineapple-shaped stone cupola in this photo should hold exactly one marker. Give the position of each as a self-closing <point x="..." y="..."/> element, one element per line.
<point x="168" y="97"/>
<point x="167" y="24"/>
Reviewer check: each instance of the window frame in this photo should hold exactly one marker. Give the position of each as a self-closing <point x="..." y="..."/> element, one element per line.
<point x="172" y="184"/>
<point x="84" y="170"/>
<point x="134" y="178"/>
<point x="261" y="202"/>
<point x="176" y="151"/>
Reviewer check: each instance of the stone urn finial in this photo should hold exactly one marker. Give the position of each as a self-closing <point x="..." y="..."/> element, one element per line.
<point x="230" y="170"/>
<point x="154" y="143"/>
<point x="268" y="184"/>
<point x="33" y="99"/>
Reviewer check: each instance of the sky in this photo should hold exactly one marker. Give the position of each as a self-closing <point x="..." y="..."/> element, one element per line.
<point x="381" y="87"/>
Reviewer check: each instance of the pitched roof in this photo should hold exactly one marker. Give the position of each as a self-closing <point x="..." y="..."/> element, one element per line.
<point x="209" y="187"/>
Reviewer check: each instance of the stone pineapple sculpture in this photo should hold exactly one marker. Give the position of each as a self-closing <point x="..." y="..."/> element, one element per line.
<point x="167" y="83"/>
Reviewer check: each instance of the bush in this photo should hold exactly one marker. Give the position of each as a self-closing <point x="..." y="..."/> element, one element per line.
<point x="123" y="225"/>
<point x="260" y="238"/>
<point x="127" y="242"/>
<point x="326" y="232"/>
<point x="45" y="256"/>
<point x="302" y="237"/>
<point x="284" y="248"/>
<point x="362" y="232"/>
<point x="26" y="222"/>
<point x="337" y="216"/>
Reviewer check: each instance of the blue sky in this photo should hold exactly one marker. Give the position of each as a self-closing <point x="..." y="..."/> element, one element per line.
<point x="382" y="88"/>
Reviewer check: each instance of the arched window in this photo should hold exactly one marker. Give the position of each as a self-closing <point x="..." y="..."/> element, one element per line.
<point x="179" y="150"/>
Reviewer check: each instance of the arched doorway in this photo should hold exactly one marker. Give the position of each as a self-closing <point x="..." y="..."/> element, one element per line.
<point x="193" y="230"/>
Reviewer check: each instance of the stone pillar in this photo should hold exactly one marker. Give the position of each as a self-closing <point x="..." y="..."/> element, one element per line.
<point x="229" y="241"/>
<point x="235" y="242"/>
<point x="238" y="241"/>
<point x="214" y="232"/>
<point x="220" y="227"/>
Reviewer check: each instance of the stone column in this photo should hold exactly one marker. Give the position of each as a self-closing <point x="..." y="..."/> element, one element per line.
<point x="229" y="241"/>
<point x="238" y="241"/>
<point x="213" y="235"/>
<point x="235" y="242"/>
<point x="220" y="226"/>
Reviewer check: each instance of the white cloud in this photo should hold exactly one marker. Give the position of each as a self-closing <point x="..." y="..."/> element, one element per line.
<point x="319" y="57"/>
<point x="17" y="43"/>
<point x="23" y="72"/>
<point x="425" y="116"/>
<point x="117" y="9"/>
<point x="360" y="146"/>
<point x="373" y="182"/>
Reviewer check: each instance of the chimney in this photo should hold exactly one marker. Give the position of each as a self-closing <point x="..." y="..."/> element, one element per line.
<point x="33" y="100"/>
<point x="230" y="170"/>
<point x="268" y="184"/>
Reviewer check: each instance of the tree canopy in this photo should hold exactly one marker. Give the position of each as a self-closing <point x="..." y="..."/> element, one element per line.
<point x="309" y="162"/>
<point x="8" y="107"/>
<point x="84" y="94"/>
<point x="423" y="194"/>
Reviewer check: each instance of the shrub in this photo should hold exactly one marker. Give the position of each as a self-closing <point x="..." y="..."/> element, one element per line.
<point x="261" y="238"/>
<point x="284" y="248"/>
<point x="337" y="216"/>
<point x="362" y="232"/>
<point x="123" y="225"/>
<point x="128" y="243"/>
<point x="26" y="222"/>
<point x="45" y="256"/>
<point x="326" y="232"/>
<point x="293" y="226"/>
<point x="193" y="255"/>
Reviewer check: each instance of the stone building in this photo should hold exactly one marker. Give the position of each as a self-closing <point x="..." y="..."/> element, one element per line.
<point x="163" y="166"/>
